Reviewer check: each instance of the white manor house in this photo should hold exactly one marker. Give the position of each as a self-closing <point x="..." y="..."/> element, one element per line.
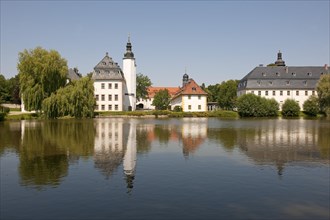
<point x="282" y="82"/>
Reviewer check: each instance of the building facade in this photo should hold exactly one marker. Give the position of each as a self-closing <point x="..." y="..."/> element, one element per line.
<point x="282" y="82"/>
<point x="115" y="89"/>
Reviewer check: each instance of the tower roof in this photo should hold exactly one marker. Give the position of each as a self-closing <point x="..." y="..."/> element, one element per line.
<point x="129" y="54"/>
<point x="279" y="61"/>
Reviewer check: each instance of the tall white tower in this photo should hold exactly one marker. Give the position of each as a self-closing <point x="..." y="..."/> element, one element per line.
<point x="129" y="69"/>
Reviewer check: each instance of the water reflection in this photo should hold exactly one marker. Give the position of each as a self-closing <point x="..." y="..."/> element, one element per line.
<point x="46" y="149"/>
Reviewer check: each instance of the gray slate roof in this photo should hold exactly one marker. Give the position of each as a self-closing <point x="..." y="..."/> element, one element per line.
<point x="73" y="74"/>
<point x="107" y="69"/>
<point x="282" y="77"/>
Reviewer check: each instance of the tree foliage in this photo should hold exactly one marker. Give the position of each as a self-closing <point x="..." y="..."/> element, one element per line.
<point x="162" y="99"/>
<point x="142" y="84"/>
<point x="41" y="73"/>
<point x="227" y="94"/>
<point x="311" y="106"/>
<point x="250" y="105"/>
<point x="212" y="93"/>
<point x="323" y="92"/>
<point x="4" y="94"/>
<point x="290" y="108"/>
<point x="76" y="100"/>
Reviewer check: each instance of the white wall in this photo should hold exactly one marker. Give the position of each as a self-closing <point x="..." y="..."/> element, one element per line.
<point x="129" y="69"/>
<point x="194" y="101"/>
<point x="106" y="92"/>
<point x="300" y="98"/>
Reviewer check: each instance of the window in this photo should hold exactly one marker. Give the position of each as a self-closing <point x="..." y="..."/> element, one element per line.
<point x="109" y="86"/>
<point x="193" y="88"/>
<point x="102" y="107"/>
<point x="102" y="85"/>
<point x="189" y="96"/>
<point x="309" y="74"/>
<point x="116" y="107"/>
<point x="273" y="93"/>
<point x="263" y="74"/>
<point x="109" y="107"/>
<point x="313" y="92"/>
<point x="199" y="107"/>
<point x="110" y="97"/>
<point x="297" y="93"/>
<point x="258" y="82"/>
<point x="305" y="83"/>
<point x="189" y="107"/>
<point x="199" y="97"/>
<point x="270" y="82"/>
<point x="104" y="63"/>
<point x="306" y="93"/>
<point x="293" y="74"/>
<point x="266" y="93"/>
<point x="116" y="97"/>
<point x="116" y="85"/>
<point x="288" y="92"/>
<point x="259" y="92"/>
<point x="252" y="92"/>
<point x="97" y="97"/>
<point x="277" y="74"/>
<point x="281" y="92"/>
<point x="96" y="107"/>
<point x="102" y="97"/>
<point x="287" y="82"/>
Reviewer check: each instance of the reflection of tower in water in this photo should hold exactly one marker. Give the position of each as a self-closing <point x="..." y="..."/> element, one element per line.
<point x="130" y="156"/>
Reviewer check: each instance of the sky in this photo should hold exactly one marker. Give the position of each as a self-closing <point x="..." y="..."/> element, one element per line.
<point x="212" y="41"/>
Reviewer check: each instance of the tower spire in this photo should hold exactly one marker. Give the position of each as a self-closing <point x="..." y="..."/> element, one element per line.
<point x="129" y="53"/>
<point x="279" y="61"/>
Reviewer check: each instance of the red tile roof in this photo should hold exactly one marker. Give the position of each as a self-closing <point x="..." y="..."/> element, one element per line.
<point x="191" y="88"/>
<point x="153" y="90"/>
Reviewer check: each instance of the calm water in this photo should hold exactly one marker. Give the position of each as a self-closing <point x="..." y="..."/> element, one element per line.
<point x="192" y="168"/>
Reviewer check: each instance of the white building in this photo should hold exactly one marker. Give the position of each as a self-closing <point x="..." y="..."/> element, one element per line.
<point x="115" y="89"/>
<point x="282" y="82"/>
<point x="190" y="97"/>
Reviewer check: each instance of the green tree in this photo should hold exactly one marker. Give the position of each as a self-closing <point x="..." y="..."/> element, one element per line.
<point x="41" y="73"/>
<point x="323" y="92"/>
<point x="290" y="108"/>
<point x="227" y="94"/>
<point x="162" y="99"/>
<point x="212" y="93"/>
<point x="142" y="84"/>
<point x="4" y="93"/>
<point x="311" y="106"/>
<point x="76" y="100"/>
<point x="250" y="105"/>
<point x="13" y="89"/>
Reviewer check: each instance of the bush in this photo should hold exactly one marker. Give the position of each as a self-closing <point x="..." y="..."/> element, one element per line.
<point x="311" y="106"/>
<point x="177" y="109"/>
<point x="250" y="105"/>
<point x="2" y="116"/>
<point x="290" y="108"/>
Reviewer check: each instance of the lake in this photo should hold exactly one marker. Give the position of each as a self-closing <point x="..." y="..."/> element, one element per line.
<point x="189" y="168"/>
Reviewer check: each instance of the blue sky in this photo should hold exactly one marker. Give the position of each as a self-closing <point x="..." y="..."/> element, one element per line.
<point x="214" y="40"/>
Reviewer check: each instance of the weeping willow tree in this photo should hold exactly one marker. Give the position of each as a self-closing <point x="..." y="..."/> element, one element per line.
<point x="76" y="100"/>
<point x="41" y="73"/>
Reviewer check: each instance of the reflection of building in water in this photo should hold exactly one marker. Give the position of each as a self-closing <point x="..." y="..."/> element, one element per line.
<point x="281" y="141"/>
<point x="115" y="143"/>
<point x="194" y="132"/>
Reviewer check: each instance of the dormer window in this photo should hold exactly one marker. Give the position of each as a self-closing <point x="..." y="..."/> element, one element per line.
<point x="270" y="82"/>
<point x="305" y="82"/>
<point x="287" y="83"/>
<point x="258" y="82"/>
<point x="263" y="74"/>
<point x="293" y="74"/>
<point x="193" y="88"/>
<point x="104" y="63"/>
<point x="277" y="74"/>
<point x="309" y="74"/>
